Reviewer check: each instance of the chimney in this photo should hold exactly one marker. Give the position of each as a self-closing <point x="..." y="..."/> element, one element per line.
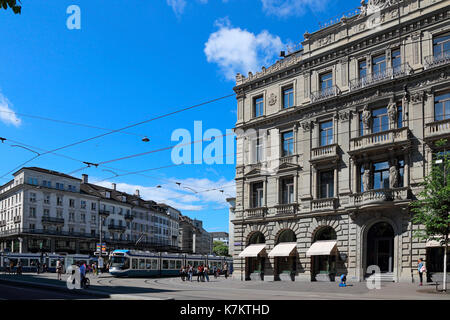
<point x="114" y="186"/>
<point x="137" y="193"/>
<point x="85" y="178"/>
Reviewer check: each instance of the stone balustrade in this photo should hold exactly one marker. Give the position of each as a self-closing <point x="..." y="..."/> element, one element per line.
<point x="255" y="212"/>
<point x="437" y="128"/>
<point x="286" y="209"/>
<point x="379" y="139"/>
<point x="378" y="195"/>
<point x="324" y="152"/>
<point x="323" y="204"/>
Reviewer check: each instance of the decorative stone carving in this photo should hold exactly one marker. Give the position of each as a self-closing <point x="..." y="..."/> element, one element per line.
<point x="393" y="175"/>
<point x="417" y="96"/>
<point x="344" y="116"/>
<point x="366" y="117"/>
<point x="272" y="99"/>
<point x="306" y="125"/>
<point x="392" y="112"/>
<point x="366" y="178"/>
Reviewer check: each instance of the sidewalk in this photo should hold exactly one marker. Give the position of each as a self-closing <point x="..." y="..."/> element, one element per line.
<point x="96" y="289"/>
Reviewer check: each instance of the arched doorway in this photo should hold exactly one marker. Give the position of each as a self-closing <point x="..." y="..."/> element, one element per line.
<point x="380" y="246"/>
<point x="255" y="265"/>
<point x="286" y="265"/>
<point x="324" y="266"/>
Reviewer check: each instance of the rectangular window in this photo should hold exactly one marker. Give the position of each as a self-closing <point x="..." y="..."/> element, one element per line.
<point x="134" y="263"/>
<point x="59" y="201"/>
<point x="326" y="184"/>
<point x="361" y="125"/>
<point x="46" y="212"/>
<point x="165" y="264"/>
<point x="381" y="175"/>
<point x="442" y="107"/>
<point x="326" y="133"/>
<point x="362" y="69"/>
<point x="93" y="206"/>
<point x="47" y="199"/>
<point x="171" y="264"/>
<point x="288" y="143"/>
<point x="326" y="81"/>
<point x="257" y="195"/>
<point x="379" y="66"/>
<point x="288" y="97"/>
<point x="380" y="120"/>
<point x="32" y="197"/>
<point x="141" y="263"/>
<point x="396" y="60"/>
<point x="148" y="264"/>
<point x="154" y="264"/>
<point x="258" y="106"/>
<point x="399" y="115"/>
<point x="72" y="203"/>
<point x="287" y="190"/>
<point x="83" y="204"/>
<point x="441" y="46"/>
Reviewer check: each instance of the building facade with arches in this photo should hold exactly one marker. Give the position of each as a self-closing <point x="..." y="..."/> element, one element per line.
<point x="333" y="143"/>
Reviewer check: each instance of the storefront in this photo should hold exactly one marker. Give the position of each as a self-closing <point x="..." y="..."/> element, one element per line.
<point x="323" y="253"/>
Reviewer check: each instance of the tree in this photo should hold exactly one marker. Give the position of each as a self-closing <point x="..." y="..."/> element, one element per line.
<point x="433" y="205"/>
<point x="17" y="9"/>
<point x="220" y="248"/>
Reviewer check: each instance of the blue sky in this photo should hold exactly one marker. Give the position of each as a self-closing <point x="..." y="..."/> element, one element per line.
<point x="131" y="61"/>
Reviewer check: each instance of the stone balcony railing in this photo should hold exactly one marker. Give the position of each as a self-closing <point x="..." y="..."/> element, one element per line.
<point x="286" y="209"/>
<point x="103" y="213"/>
<point x="437" y="60"/>
<point x="323" y="204"/>
<point x="324" y="152"/>
<point x="378" y="195"/>
<point x="17" y="219"/>
<point x="379" y="139"/>
<point x="437" y="128"/>
<point x="52" y="220"/>
<point x="374" y="78"/>
<point x="2" y="223"/>
<point x="255" y="212"/>
<point x="116" y="227"/>
<point x="288" y="159"/>
<point x="325" y="93"/>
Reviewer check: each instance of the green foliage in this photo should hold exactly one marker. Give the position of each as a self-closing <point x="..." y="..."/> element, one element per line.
<point x="431" y="210"/>
<point x="5" y="4"/>
<point x="220" y="248"/>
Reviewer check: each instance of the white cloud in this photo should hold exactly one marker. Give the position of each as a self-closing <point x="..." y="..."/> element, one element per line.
<point x="177" y="6"/>
<point x="7" y="115"/>
<point x="183" y="198"/>
<point x="285" y="8"/>
<point x="237" y="50"/>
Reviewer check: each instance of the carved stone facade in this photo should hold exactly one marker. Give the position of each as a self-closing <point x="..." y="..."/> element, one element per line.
<point x="348" y="162"/>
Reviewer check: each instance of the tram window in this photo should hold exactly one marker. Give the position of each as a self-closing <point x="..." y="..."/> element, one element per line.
<point x="134" y="263"/>
<point x="24" y="262"/>
<point x="178" y="264"/>
<point x="52" y="263"/>
<point x="191" y="263"/>
<point x="33" y="262"/>
<point x="219" y="264"/>
<point x="171" y="264"/>
<point x="165" y="264"/>
<point x="141" y="263"/>
<point x="148" y="264"/>
<point x="154" y="264"/>
<point x="126" y="264"/>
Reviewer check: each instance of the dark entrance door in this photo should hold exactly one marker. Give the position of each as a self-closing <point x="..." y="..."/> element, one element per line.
<point x="380" y="246"/>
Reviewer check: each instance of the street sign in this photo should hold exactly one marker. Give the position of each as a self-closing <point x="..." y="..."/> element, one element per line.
<point x="101" y="247"/>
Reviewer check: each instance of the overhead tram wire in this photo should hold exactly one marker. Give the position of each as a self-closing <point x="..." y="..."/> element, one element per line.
<point x="122" y="129"/>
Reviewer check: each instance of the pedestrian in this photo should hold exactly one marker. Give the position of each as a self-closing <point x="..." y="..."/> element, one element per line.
<point x="190" y="272"/>
<point x="205" y="272"/>
<point x="199" y="273"/>
<point x="182" y="273"/>
<point x="19" y="268"/>
<point x="225" y="270"/>
<point x="11" y="267"/>
<point x="59" y="269"/>
<point x="6" y="262"/>
<point x="82" y="273"/>
<point x="421" y="268"/>
<point x="215" y="271"/>
<point x="44" y="268"/>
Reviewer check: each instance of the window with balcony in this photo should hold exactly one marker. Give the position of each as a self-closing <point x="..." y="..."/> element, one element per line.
<point x="287" y="141"/>
<point x="442" y="107"/>
<point x="257" y="195"/>
<point x="287" y="190"/>
<point x="399" y="115"/>
<point x="288" y="97"/>
<point x="326" y="184"/>
<point x="326" y="133"/>
<point x="362" y="69"/>
<point x="326" y="82"/>
<point x="441" y="47"/>
<point x="381" y="175"/>
<point x="379" y="66"/>
<point x="380" y="120"/>
<point x="258" y="106"/>
<point x="396" y="60"/>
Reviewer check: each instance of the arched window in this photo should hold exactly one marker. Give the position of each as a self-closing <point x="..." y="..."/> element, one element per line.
<point x="287" y="236"/>
<point x="326" y="233"/>
<point x="257" y="237"/>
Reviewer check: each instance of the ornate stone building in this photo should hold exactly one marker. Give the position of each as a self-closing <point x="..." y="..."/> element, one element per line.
<point x="333" y="141"/>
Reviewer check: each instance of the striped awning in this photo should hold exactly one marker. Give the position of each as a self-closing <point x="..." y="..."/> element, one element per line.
<point x="253" y="250"/>
<point x="322" y="248"/>
<point x="284" y="249"/>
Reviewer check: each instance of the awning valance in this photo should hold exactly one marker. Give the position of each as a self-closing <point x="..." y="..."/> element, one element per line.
<point x="284" y="249"/>
<point x="322" y="248"/>
<point x="252" y="250"/>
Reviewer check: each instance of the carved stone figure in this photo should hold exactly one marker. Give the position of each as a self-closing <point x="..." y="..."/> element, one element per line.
<point x="366" y="179"/>
<point x="393" y="176"/>
<point x="272" y="99"/>
<point x="366" y="117"/>
<point x="392" y="113"/>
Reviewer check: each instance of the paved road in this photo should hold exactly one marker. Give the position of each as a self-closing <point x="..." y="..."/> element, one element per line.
<point x="174" y="288"/>
<point x="9" y="292"/>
